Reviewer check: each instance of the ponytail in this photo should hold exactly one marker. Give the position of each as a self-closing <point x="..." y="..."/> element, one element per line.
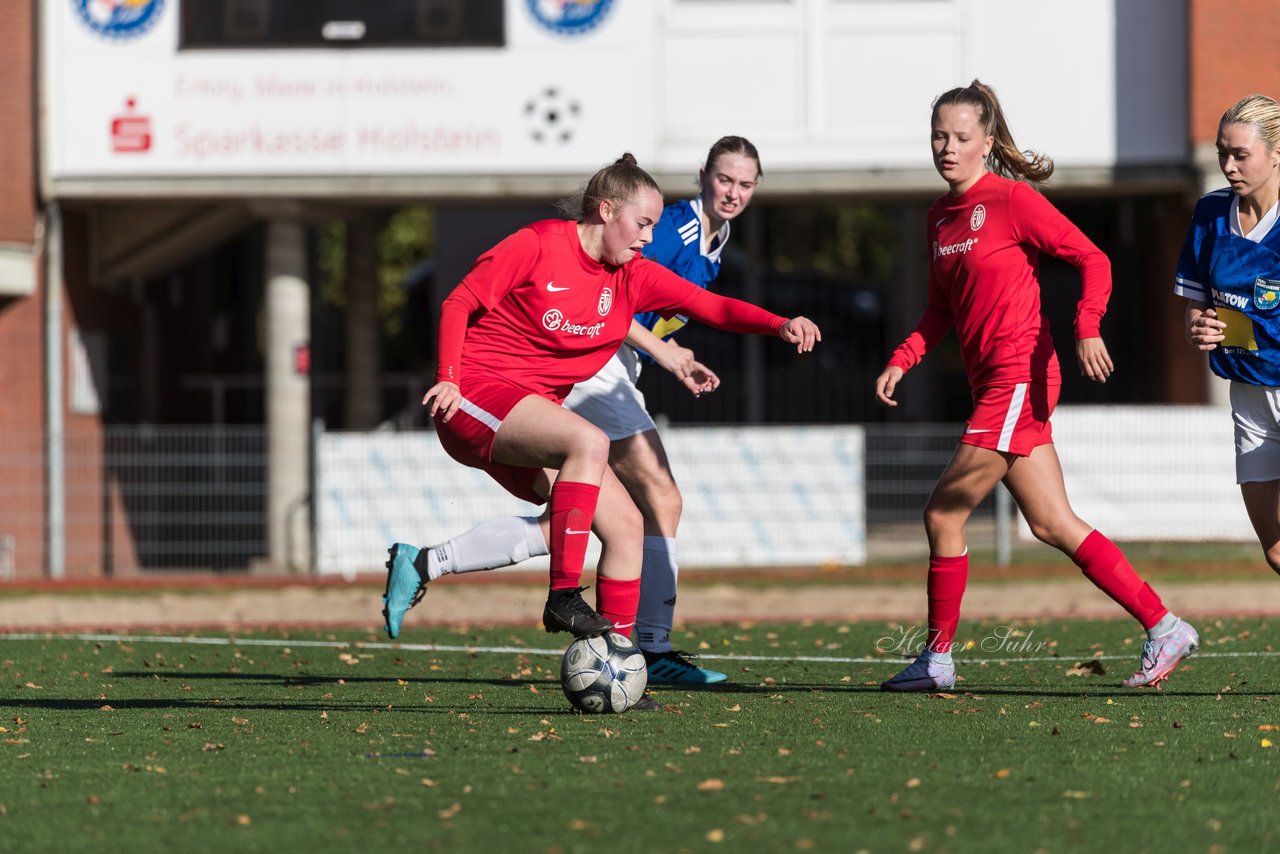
<point x="1005" y="158"/>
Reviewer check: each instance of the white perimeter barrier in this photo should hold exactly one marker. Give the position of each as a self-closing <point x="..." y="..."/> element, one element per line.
<point x="1151" y="472"/>
<point x="753" y="496"/>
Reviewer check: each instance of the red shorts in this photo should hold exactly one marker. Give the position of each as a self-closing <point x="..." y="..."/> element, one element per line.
<point x="1013" y="419"/>
<point x="468" y="437"/>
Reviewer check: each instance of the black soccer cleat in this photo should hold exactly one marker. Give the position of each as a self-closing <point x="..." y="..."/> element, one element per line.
<point x="567" y="611"/>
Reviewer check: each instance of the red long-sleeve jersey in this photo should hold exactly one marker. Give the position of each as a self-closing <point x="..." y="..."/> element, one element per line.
<point x="984" y="279"/>
<point x="536" y="311"/>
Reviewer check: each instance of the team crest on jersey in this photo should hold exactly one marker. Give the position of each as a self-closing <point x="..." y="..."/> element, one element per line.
<point x="606" y="302"/>
<point x="978" y="217"/>
<point x="1266" y="293"/>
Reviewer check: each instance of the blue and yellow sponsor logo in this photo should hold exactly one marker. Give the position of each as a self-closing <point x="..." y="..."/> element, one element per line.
<point x="1266" y="293"/>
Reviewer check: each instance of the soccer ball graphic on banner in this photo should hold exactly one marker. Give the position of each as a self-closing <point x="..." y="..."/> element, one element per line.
<point x="604" y="674"/>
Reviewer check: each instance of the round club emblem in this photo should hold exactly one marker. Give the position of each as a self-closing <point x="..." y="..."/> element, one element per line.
<point x="606" y="302"/>
<point x="119" y="19"/>
<point x="978" y="218"/>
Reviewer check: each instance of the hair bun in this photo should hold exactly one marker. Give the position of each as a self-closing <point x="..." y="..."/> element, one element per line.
<point x="628" y="159"/>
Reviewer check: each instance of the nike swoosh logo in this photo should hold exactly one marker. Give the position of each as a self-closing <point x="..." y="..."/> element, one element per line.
<point x="571" y="531"/>
<point x="551" y="286"/>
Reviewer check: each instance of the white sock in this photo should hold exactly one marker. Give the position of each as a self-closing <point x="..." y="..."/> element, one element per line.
<point x="1167" y="624"/>
<point x="490" y="545"/>
<point x="940" y="657"/>
<point x="657" y="611"/>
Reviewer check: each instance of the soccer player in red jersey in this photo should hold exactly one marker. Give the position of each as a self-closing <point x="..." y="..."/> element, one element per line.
<point x="985" y="236"/>
<point x="544" y="309"/>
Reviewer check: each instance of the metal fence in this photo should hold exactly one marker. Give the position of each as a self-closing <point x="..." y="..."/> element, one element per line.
<point x="154" y="499"/>
<point x="144" y="499"/>
<point x="139" y="498"/>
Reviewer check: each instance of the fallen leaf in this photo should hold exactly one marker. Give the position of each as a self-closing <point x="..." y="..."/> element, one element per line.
<point x="711" y="785"/>
<point x="715" y="835"/>
<point x="1266" y="742"/>
<point x="450" y="811"/>
<point x="1076" y="793"/>
<point x="913" y="782"/>
<point x="1002" y="773"/>
<point x="1086" y="668"/>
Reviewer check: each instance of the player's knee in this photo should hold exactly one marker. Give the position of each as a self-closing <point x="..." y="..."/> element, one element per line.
<point x="1273" y="557"/>
<point x="1045" y="532"/>
<point x="938" y="520"/>
<point x="590" y="444"/>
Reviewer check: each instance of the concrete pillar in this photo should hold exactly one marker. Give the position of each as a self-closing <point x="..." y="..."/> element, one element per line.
<point x="362" y="386"/>
<point x="288" y="396"/>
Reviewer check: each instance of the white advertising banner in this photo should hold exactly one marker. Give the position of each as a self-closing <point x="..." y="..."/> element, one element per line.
<point x="163" y="90"/>
<point x="753" y="496"/>
<point x="1151" y="472"/>
<point x="126" y="98"/>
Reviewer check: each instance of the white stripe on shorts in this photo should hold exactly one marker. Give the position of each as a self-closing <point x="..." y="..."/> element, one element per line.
<point x="488" y="419"/>
<point x="1011" y="417"/>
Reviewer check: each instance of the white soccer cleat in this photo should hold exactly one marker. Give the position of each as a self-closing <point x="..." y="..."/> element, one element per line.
<point x="924" y="674"/>
<point x="1162" y="655"/>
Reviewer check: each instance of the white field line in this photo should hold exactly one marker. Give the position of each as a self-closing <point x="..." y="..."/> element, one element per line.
<point x="524" y="650"/>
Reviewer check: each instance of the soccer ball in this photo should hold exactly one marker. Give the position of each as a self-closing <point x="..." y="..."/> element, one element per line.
<point x="604" y="674"/>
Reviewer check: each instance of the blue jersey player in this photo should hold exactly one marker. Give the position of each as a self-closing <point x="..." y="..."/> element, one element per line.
<point x="1230" y="271"/>
<point x="688" y="239"/>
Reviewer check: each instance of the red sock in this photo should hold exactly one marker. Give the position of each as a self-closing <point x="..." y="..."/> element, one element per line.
<point x="617" y="601"/>
<point x="1106" y="566"/>
<point x="947" y="579"/>
<point x="573" y="506"/>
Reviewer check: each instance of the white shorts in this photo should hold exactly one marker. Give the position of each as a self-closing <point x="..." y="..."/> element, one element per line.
<point x="1255" y="409"/>
<point x="610" y="399"/>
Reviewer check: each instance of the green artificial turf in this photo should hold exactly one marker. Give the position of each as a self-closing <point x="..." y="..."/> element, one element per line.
<point x="311" y="745"/>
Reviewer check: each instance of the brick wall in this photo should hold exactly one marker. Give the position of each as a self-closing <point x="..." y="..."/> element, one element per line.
<point x="1233" y="54"/>
<point x="21" y="331"/>
<point x="17" y="140"/>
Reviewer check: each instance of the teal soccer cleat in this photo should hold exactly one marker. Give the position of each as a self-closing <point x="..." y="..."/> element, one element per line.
<point x="676" y="667"/>
<point x="405" y="587"/>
